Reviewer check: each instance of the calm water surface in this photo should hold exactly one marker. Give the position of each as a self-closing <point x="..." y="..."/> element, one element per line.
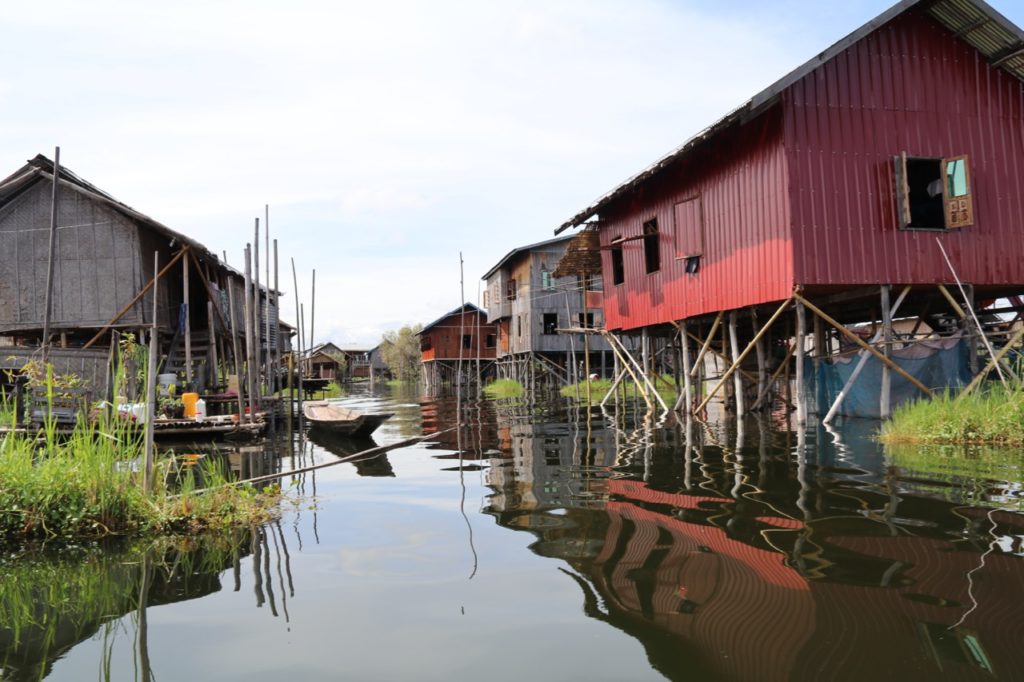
<point x="539" y="544"/>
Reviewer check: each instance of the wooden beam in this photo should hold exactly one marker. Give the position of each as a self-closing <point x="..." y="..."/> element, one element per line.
<point x="707" y="342"/>
<point x="992" y="363"/>
<point x="131" y="304"/>
<point x="860" y="342"/>
<point x="750" y="346"/>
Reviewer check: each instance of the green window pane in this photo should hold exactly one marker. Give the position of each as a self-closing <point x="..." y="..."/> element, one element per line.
<point x="956" y="178"/>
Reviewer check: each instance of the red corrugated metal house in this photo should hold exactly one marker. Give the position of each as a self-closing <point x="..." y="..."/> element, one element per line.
<point x="843" y="176"/>
<point x="463" y="333"/>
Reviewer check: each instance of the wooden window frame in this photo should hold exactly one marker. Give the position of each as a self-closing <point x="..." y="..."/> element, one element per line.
<point x="687" y="253"/>
<point x="957" y="211"/>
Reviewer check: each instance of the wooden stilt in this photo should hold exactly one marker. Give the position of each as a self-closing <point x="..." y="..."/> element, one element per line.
<point x="801" y="341"/>
<point x="250" y="341"/>
<point x="707" y="342"/>
<point x="686" y="399"/>
<point x="885" y="396"/>
<point x="860" y="342"/>
<point x="762" y="363"/>
<point x="736" y="363"/>
<point x="236" y="351"/>
<point x="212" y="349"/>
<point x="188" y="322"/>
<point x="154" y="350"/>
<point x="734" y="349"/>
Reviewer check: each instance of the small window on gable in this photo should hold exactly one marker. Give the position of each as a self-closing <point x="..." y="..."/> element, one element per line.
<point x="550" y="323"/>
<point x="652" y="250"/>
<point x="547" y="282"/>
<point x="933" y="194"/>
<point x="618" y="266"/>
<point x="688" y="232"/>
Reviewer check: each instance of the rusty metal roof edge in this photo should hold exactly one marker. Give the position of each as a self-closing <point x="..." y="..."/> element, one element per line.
<point x="465" y="307"/>
<point x="521" y="249"/>
<point x="769" y="96"/>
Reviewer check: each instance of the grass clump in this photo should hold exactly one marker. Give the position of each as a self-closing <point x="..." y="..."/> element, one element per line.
<point x="993" y="417"/>
<point x="599" y="389"/>
<point x="504" y="388"/>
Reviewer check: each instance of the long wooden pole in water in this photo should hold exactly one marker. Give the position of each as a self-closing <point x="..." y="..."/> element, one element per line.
<point x="235" y="350"/>
<point x="250" y="342"/>
<point x="298" y="365"/>
<point x="147" y="471"/>
<point x="48" y="302"/>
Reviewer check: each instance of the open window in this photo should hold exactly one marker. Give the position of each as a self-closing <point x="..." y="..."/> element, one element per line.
<point x="652" y="252"/>
<point x="511" y="290"/>
<point x="491" y="341"/>
<point x="933" y="194"/>
<point x="467" y="341"/>
<point x="586" y="320"/>
<point x="547" y="282"/>
<point x="688" y="233"/>
<point x="618" y="266"/>
<point x="550" y="323"/>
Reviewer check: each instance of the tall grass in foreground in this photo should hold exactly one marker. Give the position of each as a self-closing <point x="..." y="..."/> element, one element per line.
<point x="88" y="483"/>
<point x="992" y="417"/>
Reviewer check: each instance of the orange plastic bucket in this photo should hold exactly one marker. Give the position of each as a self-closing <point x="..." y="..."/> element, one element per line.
<point x="189" y="401"/>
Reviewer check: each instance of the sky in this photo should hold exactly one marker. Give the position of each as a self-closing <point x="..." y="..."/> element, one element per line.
<point x="386" y="137"/>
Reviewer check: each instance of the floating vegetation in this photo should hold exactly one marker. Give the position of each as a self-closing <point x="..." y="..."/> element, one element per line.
<point x="993" y="417"/>
<point x="504" y="388"/>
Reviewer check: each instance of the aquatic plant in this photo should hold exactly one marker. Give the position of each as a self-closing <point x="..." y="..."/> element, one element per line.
<point x="994" y="416"/>
<point x="504" y="388"/>
<point x="599" y="389"/>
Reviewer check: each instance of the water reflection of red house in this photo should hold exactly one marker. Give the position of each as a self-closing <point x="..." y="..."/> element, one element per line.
<point x="752" y="615"/>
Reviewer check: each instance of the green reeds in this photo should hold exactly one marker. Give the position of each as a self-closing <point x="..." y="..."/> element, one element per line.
<point x="599" y="389"/>
<point x="992" y="417"/>
<point x="504" y="388"/>
<point x="88" y="483"/>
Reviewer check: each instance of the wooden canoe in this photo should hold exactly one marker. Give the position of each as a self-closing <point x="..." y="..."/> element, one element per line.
<point x="332" y="417"/>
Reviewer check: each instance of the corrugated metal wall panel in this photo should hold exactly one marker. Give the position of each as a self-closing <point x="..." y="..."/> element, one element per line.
<point x="747" y="251"/>
<point x="909" y="86"/>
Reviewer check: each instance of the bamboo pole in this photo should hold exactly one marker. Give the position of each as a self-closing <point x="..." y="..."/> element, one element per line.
<point x="1014" y="340"/>
<point x="213" y="343"/>
<point x="885" y="394"/>
<point x="48" y="299"/>
<point x="188" y="323"/>
<point x="149" y="285"/>
<point x="298" y="322"/>
<point x="736" y="362"/>
<point x="687" y="368"/>
<point x="257" y="308"/>
<point x="147" y="472"/>
<point x="250" y="342"/>
<point x="707" y="342"/>
<point x="615" y="385"/>
<point x="800" y="341"/>
<point x="312" y="313"/>
<point x="236" y="350"/>
<point x="612" y="343"/>
<point x="646" y="384"/>
<point x="860" y="342"/>
<point x="783" y="366"/>
<point x="863" y="359"/>
<point x="277" y="332"/>
<point x="734" y="347"/>
<point x="762" y="360"/>
<point x="269" y="362"/>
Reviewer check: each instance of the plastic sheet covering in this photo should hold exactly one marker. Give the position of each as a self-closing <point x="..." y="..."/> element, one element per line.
<point x="939" y="364"/>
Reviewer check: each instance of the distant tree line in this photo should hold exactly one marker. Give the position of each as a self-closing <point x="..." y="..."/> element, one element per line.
<point x="400" y="351"/>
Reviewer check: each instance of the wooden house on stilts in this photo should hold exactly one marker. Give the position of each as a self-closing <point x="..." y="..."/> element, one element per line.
<point x="882" y="179"/>
<point x="459" y="346"/>
<point x="103" y="287"/>
<point x="536" y="309"/>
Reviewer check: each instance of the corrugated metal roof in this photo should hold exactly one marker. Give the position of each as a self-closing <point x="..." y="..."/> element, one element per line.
<point x="521" y="249"/>
<point x="974" y="21"/>
<point x="468" y="307"/>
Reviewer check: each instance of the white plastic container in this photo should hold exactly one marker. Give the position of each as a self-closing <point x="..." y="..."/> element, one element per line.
<point x="200" y="410"/>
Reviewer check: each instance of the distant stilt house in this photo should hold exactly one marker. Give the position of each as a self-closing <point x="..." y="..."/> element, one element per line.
<point x="857" y="189"/>
<point x="102" y="287"/>
<point x="539" y="313"/>
<point x="325" y="361"/>
<point x="357" y="362"/>
<point x="460" y="336"/>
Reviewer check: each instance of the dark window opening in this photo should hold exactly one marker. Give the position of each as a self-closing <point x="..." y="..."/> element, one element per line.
<point x="510" y="290"/>
<point x="491" y="341"/>
<point x="652" y="250"/>
<point x="425" y="343"/>
<point x="519" y="325"/>
<point x="586" y="320"/>
<point x="693" y="265"/>
<point x="618" y="267"/>
<point x="593" y="282"/>
<point x="933" y="194"/>
<point x="467" y="341"/>
<point x="550" y="323"/>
